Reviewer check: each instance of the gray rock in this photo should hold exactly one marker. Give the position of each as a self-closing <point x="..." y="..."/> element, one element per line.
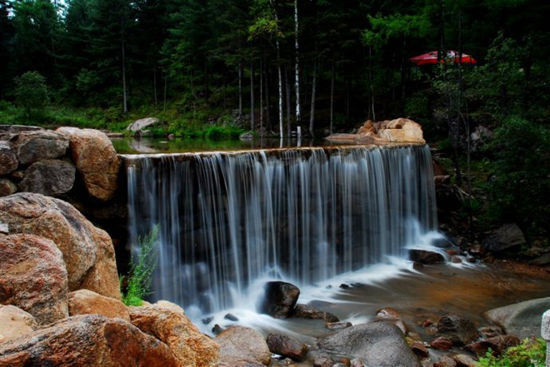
<point x="239" y="344"/>
<point x="15" y="129"/>
<point x="461" y="331"/>
<point x="521" y="319"/>
<point x="49" y="177"/>
<point x="504" y="238"/>
<point x="426" y="257"/>
<point x="312" y="313"/>
<point x="7" y="187"/>
<point x="32" y="146"/>
<point x="142" y="124"/>
<point x="4" y="228"/>
<point x="8" y="159"/>
<point x="541" y="260"/>
<point x="545" y="326"/>
<point x="280" y="299"/>
<point x="377" y="343"/>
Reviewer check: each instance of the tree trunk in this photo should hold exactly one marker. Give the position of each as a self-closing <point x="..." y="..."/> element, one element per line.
<point x="155" y="86"/>
<point x="313" y="91"/>
<point x="297" y="64"/>
<point x="332" y="77"/>
<point x="124" y="91"/>
<point x="240" y="89"/>
<point x="371" y="81"/>
<point x="288" y="103"/>
<point x="252" y="97"/>
<point x="261" y="96"/>
<point x="279" y="75"/>
<point x="165" y="92"/>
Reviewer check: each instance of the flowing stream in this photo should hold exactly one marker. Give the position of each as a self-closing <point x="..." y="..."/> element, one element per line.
<point x="229" y="220"/>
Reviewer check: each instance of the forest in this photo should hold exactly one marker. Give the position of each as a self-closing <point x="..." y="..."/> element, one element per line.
<point x="325" y="65"/>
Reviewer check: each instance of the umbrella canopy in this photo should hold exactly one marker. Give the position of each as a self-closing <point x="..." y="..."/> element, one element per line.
<point x="431" y="58"/>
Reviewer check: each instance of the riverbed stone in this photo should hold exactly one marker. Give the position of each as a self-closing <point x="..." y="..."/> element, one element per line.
<point x="33" y="276"/>
<point x="240" y="344"/>
<point x="458" y="329"/>
<point x="50" y="177"/>
<point x="309" y="312"/>
<point x="497" y="344"/>
<point x="504" y="238"/>
<point x="287" y="347"/>
<point x="378" y="343"/>
<point x="7" y="187"/>
<point x="96" y="160"/>
<point x="173" y="327"/>
<point x="87" y="340"/>
<point x="88" y="251"/>
<point x="426" y="257"/>
<point x="32" y="146"/>
<point x="521" y="319"/>
<point x="280" y="299"/>
<point x="14" y="322"/>
<point x="8" y="159"/>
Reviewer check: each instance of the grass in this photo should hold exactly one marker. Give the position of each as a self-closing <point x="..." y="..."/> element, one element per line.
<point x="142" y="266"/>
<point x="530" y="353"/>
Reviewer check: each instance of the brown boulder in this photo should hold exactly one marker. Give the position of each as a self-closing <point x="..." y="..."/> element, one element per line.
<point x="8" y="159"/>
<point x="400" y="130"/>
<point x="96" y="160"/>
<point x="309" y="312"/>
<point x="239" y="344"/>
<point x="87" y="340"/>
<point x="189" y="345"/>
<point x="32" y="146"/>
<point x="426" y="257"/>
<point x="460" y="330"/>
<point x="14" y="322"/>
<point x="279" y="299"/>
<point x="287" y="347"/>
<point x="50" y="177"/>
<point x="442" y="343"/>
<point x="33" y="276"/>
<point x="84" y="301"/>
<point x="87" y="251"/>
<point x="7" y="187"/>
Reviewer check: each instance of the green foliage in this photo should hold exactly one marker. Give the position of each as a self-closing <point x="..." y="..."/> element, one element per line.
<point x="530" y="353"/>
<point x="31" y="93"/>
<point x="142" y="267"/>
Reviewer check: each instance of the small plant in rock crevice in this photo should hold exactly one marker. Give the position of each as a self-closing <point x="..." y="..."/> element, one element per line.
<point x="142" y="267"/>
<point x="530" y="353"/>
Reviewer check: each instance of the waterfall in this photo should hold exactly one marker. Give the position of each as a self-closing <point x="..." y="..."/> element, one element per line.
<point x="228" y="218"/>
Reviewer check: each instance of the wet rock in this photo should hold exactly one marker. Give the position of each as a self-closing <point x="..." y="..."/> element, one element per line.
<point x="357" y="362"/>
<point x="217" y="329"/>
<point x="142" y="124"/>
<point x="88" y="251"/>
<point x="490" y="331"/>
<point x="96" y="160"/>
<point x="541" y="260"/>
<point x="8" y="159"/>
<point x="87" y="340"/>
<point x="420" y="350"/>
<point x="280" y="299"/>
<point x="310" y="312"/>
<point x="463" y="360"/>
<point x="442" y="243"/>
<point x="337" y="325"/>
<point x="238" y="344"/>
<point x="49" y="177"/>
<point x="345" y="286"/>
<point x="391" y="315"/>
<point x="504" y="238"/>
<point x="426" y="257"/>
<point x="32" y="146"/>
<point x="521" y="319"/>
<point x="7" y="187"/>
<point x="16" y="129"/>
<point x="456" y="260"/>
<point x="322" y="361"/>
<point x="445" y="361"/>
<point x="207" y="320"/>
<point x="231" y="317"/>
<point x="33" y="277"/>
<point x="497" y="344"/>
<point x="287" y="347"/>
<point x="442" y="343"/>
<point x="377" y="343"/>
<point x="460" y="330"/>
<point x="84" y="301"/>
<point x="15" y="323"/>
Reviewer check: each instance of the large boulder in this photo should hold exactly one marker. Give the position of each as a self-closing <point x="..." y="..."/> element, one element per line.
<point x="84" y="302"/>
<point x="240" y="345"/>
<point x="171" y="326"/>
<point x="279" y="299"/>
<point x="96" y="160"/>
<point x="87" y="251"/>
<point x="287" y="347"/>
<point x="521" y="319"/>
<point x="506" y="237"/>
<point x="50" y="177"/>
<point x="32" y="146"/>
<point x="14" y="322"/>
<point x="460" y="330"/>
<point x="426" y="257"/>
<point x="302" y="311"/>
<point x="400" y="130"/>
<point x="142" y="124"/>
<point x="8" y="159"/>
<point x="377" y="343"/>
<point x="33" y="276"/>
<point x="87" y="340"/>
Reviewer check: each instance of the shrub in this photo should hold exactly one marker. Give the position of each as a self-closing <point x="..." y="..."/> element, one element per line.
<point x="31" y="93"/>
<point x="530" y="353"/>
<point x="142" y="266"/>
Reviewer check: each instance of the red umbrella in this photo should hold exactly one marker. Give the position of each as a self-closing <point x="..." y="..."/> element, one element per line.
<point x="431" y="58"/>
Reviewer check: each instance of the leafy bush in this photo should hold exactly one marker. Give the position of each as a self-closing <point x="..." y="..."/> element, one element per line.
<point x="530" y="353"/>
<point x="31" y="92"/>
<point x="141" y="270"/>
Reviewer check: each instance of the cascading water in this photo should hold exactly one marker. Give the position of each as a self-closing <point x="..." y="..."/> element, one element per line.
<point x="227" y="219"/>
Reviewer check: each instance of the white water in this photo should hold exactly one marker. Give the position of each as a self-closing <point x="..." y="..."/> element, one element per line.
<point x="316" y="217"/>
